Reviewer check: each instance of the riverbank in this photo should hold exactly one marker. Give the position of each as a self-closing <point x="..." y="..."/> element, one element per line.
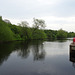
<point x="10" y="32"/>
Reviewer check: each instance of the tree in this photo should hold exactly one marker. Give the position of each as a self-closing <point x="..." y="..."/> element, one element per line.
<point x="5" y="32"/>
<point x="24" y="24"/>
<point x="26" y="32"/>
<point x="51" y="34"/>
<point x="38" y="23"/>
<point x="7" y="21"/>
<point x="0" y="17"/>
<point x="71" y="34"/>
<point x="39" y="34"/>
<point x="61" y="34"/>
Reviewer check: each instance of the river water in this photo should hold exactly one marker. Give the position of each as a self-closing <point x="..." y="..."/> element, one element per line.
<point x="37" y="58"/>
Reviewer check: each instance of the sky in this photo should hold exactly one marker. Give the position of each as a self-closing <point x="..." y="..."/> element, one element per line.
<point x="57" y="14"/>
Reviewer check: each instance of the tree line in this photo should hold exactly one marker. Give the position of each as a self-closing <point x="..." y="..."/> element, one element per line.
<point x="59" y="34"/>
<point x="22" y="31"/>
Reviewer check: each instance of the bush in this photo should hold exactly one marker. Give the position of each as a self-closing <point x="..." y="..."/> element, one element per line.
<point x="61" y="34"/>
<point x="39" y="34"/>
<point x="5" y="32"/>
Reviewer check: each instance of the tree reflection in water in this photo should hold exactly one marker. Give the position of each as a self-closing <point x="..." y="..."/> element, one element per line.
<point x="38" y="51"/>
<point x="5" y="51"/>
<point x="23" y="49"/>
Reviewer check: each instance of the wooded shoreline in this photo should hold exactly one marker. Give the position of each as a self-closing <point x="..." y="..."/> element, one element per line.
<point x="22" y="31"/>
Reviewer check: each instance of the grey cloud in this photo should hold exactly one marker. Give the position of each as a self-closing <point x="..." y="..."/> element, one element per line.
<point x="64" y="9"/>
<point x="32" y="8"/>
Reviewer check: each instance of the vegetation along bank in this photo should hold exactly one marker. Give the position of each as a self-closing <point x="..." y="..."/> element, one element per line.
<point x="22" y="31"/>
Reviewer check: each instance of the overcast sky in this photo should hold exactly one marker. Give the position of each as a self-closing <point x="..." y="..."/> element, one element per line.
<point x="56" y="13"/>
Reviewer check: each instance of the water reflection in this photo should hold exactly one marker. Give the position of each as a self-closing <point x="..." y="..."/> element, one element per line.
<point x="23" y="58"/>
<point x="62" y="40"/>
<point x="23" y="49"/>
<point x="5" y="50"/>
<point x="38" y="51"/>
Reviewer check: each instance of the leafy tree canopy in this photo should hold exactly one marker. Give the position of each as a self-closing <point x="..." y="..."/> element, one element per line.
<point x="38" y="23"/>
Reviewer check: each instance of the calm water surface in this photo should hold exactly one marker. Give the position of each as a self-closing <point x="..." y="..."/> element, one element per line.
<point x="37" y="58"/>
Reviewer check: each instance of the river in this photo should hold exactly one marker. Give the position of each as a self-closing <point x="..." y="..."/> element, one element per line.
<point x="36" y="58"/>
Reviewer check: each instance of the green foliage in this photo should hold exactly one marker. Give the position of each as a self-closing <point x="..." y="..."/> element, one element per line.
<point x="0" y="18"/>
<point x="38" y="23"/>
<point x="39" y="34"/>
<point x="26" y="33"/>
<point x="71" y="34"/>
<point x="25" y="30"/>
<point x="51" y="34"/>
<point x="9" y="32"/>
<point x="16" y="30"/>
<point x="5" y="32"/>
<point x="61" y="34"/>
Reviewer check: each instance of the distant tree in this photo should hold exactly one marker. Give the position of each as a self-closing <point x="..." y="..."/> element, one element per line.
<point x="61" y="34"/>
<point x="25" y="30"/>
<point x="51" y="34"/>
<point x="71" y="34"/>
<point x="7" y="21"/>
<point x="0" y="17"/>
<point x="39" y="34"/>
<point x="5" y="32"/>
<point x="24" y="24"/>
<point x="38" y="23"/>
